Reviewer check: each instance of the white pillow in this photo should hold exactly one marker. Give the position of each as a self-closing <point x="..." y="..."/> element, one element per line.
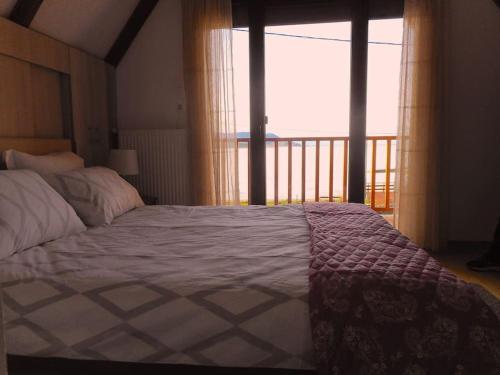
<point x="58" y="162"/>
<point x="31" y="212"/>
<point x="97" y="194"/>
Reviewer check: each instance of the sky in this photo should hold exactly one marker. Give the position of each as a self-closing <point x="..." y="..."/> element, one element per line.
<point x="308" y="80"/>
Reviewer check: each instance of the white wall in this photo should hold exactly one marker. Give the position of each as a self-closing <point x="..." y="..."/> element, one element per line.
<point x="150" y="87"/>
<point x="474" y="120"/>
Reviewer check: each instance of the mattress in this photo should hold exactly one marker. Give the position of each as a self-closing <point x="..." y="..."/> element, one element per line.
<point x="168" y="284"/>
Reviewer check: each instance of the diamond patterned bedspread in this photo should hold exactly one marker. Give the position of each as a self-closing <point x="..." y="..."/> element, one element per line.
<point x="186" y="285"/>
<point x="381" y="305"/>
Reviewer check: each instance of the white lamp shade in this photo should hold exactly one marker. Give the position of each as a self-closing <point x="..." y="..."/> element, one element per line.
<point x="124" y="162"/>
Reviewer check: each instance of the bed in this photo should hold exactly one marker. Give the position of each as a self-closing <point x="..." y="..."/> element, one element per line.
<point x="319" y="288"/>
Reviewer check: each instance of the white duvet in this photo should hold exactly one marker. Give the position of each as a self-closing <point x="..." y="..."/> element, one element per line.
<point x="224" y="286"/>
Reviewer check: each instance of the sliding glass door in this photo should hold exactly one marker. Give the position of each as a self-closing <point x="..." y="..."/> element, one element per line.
<point x="307" y="106"/>
<point x="301" y="95"/>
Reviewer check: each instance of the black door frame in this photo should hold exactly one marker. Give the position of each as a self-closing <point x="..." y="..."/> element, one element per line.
<point x="256" y="14"/>
<point x="357" y="118"/>
<point x="256" y="17"/>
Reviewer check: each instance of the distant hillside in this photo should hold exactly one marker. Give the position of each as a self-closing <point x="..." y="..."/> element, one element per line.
<point x="269" y="143"/>
<point x="247" y="135"/>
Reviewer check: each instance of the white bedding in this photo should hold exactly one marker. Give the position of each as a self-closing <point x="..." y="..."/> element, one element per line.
<point x="185" y="285"/>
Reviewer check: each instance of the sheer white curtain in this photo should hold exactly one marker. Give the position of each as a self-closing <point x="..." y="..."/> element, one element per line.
<point x="208" y="78"/>
<point x="420" y="176"/>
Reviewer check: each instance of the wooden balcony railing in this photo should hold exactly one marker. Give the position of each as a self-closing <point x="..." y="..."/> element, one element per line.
<point x="379" y="197"/>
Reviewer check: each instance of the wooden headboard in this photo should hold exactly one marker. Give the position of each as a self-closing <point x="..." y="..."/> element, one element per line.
<point x="35" y="146"/>
<point x="51" y="91"/>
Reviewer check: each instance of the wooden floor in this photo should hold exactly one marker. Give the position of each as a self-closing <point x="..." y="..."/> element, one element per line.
<point x="455" y="262"/>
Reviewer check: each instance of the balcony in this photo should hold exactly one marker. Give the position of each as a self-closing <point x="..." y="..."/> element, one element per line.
<point x="289" y="164"/>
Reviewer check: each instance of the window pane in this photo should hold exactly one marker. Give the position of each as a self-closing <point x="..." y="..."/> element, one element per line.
<point x="307" y="95"/>
<point x="242" y="105"/>
<point x="384" y="65"/>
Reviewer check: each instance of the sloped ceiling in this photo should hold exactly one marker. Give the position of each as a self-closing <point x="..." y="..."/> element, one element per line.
<point x="91" y="25"/>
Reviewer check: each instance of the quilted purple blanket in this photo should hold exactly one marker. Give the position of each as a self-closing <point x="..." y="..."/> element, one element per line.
<point x="381" y="305"/>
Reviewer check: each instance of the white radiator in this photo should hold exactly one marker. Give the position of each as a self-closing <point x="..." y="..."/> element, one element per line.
<point x="162" y="163"/>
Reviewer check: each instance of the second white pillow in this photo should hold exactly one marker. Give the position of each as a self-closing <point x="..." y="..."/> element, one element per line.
<point x="97" y="194"/>
<point x="58" y="162"/>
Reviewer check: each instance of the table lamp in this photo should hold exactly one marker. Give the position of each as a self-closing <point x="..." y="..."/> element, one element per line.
<point x="124" y="162"/>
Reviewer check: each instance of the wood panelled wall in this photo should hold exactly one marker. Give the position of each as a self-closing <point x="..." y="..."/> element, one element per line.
<point x="90" y="104"/>
<point x="51" y="90"/>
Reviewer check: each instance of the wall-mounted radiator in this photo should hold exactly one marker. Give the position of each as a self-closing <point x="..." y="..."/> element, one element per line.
<point x="162" y="163"/>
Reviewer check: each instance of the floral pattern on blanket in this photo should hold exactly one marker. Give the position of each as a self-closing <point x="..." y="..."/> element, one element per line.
<point x="381" y="305"/>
